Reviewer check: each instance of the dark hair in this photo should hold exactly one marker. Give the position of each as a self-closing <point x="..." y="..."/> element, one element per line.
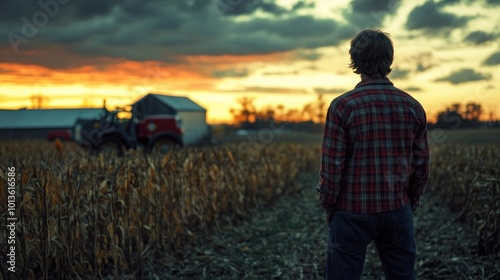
<point x="371" y="53"/>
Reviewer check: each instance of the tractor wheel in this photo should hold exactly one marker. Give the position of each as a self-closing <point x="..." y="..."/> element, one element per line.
<point x="111" y="147"/>
<point x="164" y="146"/>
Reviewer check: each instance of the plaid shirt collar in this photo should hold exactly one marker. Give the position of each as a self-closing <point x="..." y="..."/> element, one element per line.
<point x="374" y="81"/>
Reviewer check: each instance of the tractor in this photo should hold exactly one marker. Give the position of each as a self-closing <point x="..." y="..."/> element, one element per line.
<point x="124" y="129"/>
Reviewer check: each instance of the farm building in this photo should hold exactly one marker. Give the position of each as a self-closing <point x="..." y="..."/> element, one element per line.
<point x="42" y="123"/>
<point x="192" y="115"/>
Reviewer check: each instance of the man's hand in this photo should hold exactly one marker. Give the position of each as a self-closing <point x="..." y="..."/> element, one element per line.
<point x="328" y="219"/>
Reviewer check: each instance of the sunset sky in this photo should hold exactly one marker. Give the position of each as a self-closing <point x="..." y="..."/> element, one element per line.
<point x="75" y="53"/>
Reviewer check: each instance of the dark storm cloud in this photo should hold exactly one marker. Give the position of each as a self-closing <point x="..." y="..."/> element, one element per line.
<point x="245" y="7"/>
<point x="493" y="59"/>
<point x="10" y="11"/>
<point x="303" y="5"/>
<point x="368" y="6"/>
<point x="369" y="13"/>
<point x="467" y="2"/>
<point x="463" y="76"/>
<point x="92" y="8"/>
<point x="449" y="2"/>
<point x="305" y="26"/>
<point x="281" y="73"/>
<point x="16" y="9"/>
<point x="418" y="62"/>
<point x="399" y="73"/>
<point x="480" y="37"/>
<point x="423" y="61"/>
<point x="309" y="55"/>
<point x="422" y="67"/>
<point x="159" y="30"/>
<point x="234" y="73"/>
<point x="320" y="90"/>
<point x="274" y="90"/>
<point x="430" y="16"/>
<point x="413" y="89"/>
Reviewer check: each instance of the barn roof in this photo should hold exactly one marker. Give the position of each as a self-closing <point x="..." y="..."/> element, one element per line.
<point x="179" y="103"/>
<point x="45" y="118"/>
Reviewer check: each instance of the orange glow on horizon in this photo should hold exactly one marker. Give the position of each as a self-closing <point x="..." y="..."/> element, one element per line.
<point x="122" y="82"/>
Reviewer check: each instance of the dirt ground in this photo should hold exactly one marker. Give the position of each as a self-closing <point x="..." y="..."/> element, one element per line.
<point x="287" y="241"/>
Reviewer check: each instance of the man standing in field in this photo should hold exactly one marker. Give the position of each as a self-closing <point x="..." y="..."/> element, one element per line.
<point x="374" y="166"/>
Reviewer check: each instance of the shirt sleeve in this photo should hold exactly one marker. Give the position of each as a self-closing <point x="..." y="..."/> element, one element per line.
<point x="420" y="165"/>
<point x="333" y="153"/>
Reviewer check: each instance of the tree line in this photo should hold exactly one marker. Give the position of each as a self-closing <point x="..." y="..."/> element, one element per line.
<point x="468" y="115"/>
<point x="310" y="117"/>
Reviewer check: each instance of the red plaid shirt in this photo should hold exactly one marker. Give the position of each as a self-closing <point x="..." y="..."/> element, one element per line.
<point x="375" y="153"/>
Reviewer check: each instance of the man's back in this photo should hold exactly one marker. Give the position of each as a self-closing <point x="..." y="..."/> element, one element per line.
<point x="381" y="124"/>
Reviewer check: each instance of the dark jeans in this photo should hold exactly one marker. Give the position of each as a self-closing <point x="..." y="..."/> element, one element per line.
<point x="392" y="232"/>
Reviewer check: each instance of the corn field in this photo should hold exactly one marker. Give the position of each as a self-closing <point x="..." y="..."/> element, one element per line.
<point x="84" y="216"/>
<point x="466" y="178"/>
<point x="90" y="216"/>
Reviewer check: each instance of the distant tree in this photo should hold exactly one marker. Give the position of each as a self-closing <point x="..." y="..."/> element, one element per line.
<point x="309" y="118"/>
<point x="264" y="116"/>
<point x="458" y="116"/>
<point x="473" y="111"/>
<point x="321" y="104"/>
<point x="246" y="113"/>
<point x="315" y="111"/>
<point x="308" y="112"/>
<point x="293" y="115"/>
<point x="280" y="112"/>
<point x="449" y="119"/>
<point x="492" y="115"/>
